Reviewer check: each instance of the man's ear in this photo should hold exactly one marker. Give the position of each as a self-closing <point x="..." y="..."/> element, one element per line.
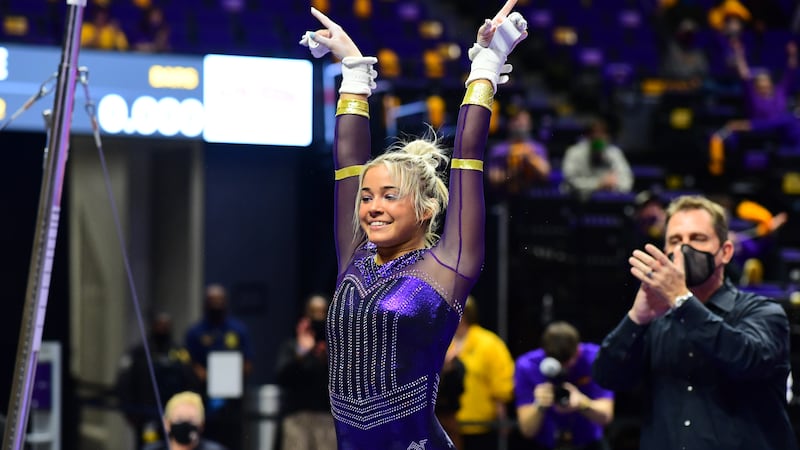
<point x="727" y="251"/>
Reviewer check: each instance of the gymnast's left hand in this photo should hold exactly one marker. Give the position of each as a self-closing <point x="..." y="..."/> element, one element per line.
<point x="331" y="38"/>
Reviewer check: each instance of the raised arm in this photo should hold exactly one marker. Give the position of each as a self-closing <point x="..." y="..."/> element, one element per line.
<point x="351" y="146"/>
<point x="740" y="59"/>
<point x="461" y="247"/>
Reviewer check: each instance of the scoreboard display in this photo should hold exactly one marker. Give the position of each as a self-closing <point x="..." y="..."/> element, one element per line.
<point x="217" y="98"/>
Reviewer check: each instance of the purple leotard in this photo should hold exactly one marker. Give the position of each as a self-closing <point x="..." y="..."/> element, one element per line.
<point x="389" y="325"/>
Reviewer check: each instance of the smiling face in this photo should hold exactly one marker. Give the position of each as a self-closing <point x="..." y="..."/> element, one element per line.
<point x="387" y="217"/>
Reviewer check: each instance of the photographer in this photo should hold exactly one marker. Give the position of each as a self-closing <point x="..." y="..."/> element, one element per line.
<point x="302" y="373"/>
<point x="558" y="403"/>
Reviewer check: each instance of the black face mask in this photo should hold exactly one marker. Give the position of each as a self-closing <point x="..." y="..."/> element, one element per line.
<point x="161" y="341"/>
<point x="698" y="265"/>
<point x="215" y="315"/>
<point x="184" y="432"/>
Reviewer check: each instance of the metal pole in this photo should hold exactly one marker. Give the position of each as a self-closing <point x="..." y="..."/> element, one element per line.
<point x="44" y="241"/>
<point x="501" y="212"/>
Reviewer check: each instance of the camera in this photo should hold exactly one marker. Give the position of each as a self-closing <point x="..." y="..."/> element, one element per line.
<point x="552" y="370"/>
<point x="560" y="395"/>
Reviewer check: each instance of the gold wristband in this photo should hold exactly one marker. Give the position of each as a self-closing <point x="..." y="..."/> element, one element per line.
<point x="478" y="93"/>
<point x="352" y="106"/>
<point x="347" y="172"/>
<point x="468" y="164"/>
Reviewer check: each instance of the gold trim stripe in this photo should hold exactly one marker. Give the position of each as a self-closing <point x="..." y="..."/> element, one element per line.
<point x="468" y="164"/>
<point x="478" y="93"/>
<point x="352" y="106"/>
<point x="347" y="172"/>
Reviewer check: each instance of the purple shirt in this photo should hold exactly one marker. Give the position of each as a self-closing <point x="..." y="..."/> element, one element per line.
<point x="768" y="107"/>
<point x="527" y="376"/>
<point x="785" y="126"/>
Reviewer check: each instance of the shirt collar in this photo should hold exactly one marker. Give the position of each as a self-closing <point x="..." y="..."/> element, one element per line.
<point x="724" y="297"/>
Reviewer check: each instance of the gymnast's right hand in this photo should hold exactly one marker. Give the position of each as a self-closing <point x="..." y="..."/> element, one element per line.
<point x="332" y="38"/>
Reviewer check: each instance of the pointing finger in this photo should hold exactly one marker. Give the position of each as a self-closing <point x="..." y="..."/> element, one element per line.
<point x="505" y="11"/>
<point x="323" y="19"/>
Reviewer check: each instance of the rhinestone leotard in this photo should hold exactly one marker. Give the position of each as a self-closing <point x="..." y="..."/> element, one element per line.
<point x="389" y="325"/>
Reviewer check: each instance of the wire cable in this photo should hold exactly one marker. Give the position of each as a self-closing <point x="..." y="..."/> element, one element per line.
<point x="89" y="107"/>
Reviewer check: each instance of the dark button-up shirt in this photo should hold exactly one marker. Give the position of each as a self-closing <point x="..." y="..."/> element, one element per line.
<point x="715" y="374"/>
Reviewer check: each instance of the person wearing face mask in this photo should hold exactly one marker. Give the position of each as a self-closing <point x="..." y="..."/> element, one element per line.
<point x="219" y="331"/>
<point x="134" y="388"/>
<point x="302" y="374"/>
<point x="595" y="164"/>
<point x="184" y="418"/>
<point x="683" y="59"/>
<point x="713" y="360"/>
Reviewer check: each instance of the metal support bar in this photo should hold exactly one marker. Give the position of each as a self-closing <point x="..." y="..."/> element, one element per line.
<point x="44" y="241"/>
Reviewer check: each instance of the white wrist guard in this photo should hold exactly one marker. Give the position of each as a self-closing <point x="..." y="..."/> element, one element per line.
<point x="488" y="64"/>
<point x="358" y="76"/>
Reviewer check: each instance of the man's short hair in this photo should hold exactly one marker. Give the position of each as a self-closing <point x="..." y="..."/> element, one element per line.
<point x="185" y="398"/>
<point x="719" y="219"/>
<point x="560" y="340"/>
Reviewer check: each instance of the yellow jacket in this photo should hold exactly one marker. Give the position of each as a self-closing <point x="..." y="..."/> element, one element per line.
<point x="489" y="378"/>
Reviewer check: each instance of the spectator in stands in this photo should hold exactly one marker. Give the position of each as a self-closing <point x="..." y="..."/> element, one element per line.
<point x="595" y="164"/>
<point x="566" y="408"/>
<point x="488" y="381"/>
<point x="729" y="20"/>
<point x="218" y="331"/>
<point x="764" y="98"/>
<point x="103" y="32"/>
<point x="172" y="369"/>
<point x="753" y="245"/>
<point x="683" y="59"/>
<point x="650" y="218"/>
<point x="714" y="360"/>
<point x="153" y="33"/>
<point x="520" y="161"/>
<point x="303" y="377"/>
<point x="184" y="418"/>
<point x="767" y="108"/>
